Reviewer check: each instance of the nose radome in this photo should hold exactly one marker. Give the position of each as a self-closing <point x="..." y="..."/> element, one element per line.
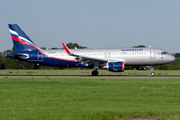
<point x="172" y="59"/>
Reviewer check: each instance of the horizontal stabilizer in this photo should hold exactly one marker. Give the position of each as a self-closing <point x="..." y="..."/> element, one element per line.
<point x="14" y="55"/>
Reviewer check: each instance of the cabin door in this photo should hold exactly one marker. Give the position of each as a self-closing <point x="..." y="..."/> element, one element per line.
<point x="152" y="53"/>
<point x="40" y="57"/>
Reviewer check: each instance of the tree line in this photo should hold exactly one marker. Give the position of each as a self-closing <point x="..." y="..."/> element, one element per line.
<point x="8" y="63"/>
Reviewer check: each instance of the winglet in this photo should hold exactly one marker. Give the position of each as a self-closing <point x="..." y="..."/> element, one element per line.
<point x="66" y="48"/>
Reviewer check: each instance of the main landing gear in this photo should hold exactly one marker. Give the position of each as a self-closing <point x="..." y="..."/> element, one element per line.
<point x="95" y="73"/>
<point x="152" y="69"/>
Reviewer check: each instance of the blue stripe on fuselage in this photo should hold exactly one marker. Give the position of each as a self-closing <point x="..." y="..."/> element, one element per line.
<point x="57" y="62"/>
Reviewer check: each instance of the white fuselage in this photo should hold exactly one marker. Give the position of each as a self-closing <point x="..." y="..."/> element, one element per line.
<point x="130" y="56"/>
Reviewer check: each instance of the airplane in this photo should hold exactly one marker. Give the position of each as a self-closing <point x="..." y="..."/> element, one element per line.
<point x="113" y="60"/>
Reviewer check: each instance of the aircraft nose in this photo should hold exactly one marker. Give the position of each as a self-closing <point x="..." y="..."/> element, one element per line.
<point x="171" y="58"/>
<point x="174" y="58"/>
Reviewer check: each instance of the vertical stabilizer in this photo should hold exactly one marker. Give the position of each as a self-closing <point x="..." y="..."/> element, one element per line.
<point x="20" y="40"/>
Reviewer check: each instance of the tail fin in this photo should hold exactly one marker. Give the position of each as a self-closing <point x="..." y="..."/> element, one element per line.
<point x="20" y="40"/>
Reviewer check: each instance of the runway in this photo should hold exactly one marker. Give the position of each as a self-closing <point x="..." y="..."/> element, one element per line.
<point x="89" y="76"/>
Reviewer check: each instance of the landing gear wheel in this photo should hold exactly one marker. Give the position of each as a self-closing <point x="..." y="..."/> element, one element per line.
<point x="152" y="73"/>
<point x="95" y="73"/>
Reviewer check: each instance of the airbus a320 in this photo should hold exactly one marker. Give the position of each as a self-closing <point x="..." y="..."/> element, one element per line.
<point x="113" y="60"/>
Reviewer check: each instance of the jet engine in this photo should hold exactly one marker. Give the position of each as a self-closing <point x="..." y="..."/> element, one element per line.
<point x="115" y="66"/>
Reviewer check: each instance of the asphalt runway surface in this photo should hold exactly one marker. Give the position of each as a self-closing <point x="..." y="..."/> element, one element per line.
<point x="89" y="76"/>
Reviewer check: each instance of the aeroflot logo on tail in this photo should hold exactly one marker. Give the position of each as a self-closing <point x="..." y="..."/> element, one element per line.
<point x="14" y="34"/>
<point x="132" y="50"/>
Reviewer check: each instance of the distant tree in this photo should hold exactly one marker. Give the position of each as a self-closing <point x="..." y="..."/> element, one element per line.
<point x="8" y="62"/>
<point x="54" y="48"/>
<point x="138" y="46"/>
<point x="12" y="64"/>
<point x="177" y="55"/>
<point x="43" y="48"/>
<point x="2" y="66"/>
<point x="13" y="49"/>
<point x="7" y="51"/>
<point x="73" y="45"/>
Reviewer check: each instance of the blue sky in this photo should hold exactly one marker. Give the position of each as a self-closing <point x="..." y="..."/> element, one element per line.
<point x="94" y="23"/>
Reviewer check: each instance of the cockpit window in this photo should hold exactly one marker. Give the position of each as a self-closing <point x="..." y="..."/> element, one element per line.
<point x="163" y="53"/>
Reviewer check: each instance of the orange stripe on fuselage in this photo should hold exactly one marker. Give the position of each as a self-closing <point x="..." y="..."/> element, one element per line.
<point x="122" y="66"/>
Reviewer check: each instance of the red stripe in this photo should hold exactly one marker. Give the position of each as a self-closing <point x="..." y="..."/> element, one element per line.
<point x="16" y="39"/>
<point x="62" y="59"/>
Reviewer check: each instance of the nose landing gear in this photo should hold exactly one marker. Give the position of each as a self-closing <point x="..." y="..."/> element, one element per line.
<point x="152" y="73"/>
<point x="152" y="69"/>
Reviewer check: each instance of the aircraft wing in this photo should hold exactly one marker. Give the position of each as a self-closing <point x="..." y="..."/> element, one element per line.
<point x="89" y="60"/>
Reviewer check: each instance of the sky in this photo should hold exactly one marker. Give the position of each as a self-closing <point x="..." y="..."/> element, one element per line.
<point x="94" y="23"/>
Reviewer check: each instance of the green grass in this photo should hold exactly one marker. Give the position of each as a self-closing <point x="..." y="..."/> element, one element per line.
<point x="84" y="99"/>
<point x="85" y="72"/>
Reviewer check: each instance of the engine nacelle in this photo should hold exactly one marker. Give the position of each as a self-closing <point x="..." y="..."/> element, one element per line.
<point x="82" y="65"/>
<point x="116" y="66"/>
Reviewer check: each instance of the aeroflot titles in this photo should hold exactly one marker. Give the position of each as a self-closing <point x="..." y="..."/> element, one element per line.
<point x="132" y="50"/>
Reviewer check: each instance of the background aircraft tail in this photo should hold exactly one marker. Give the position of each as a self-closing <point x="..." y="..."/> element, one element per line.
<point x="20" y="40"/>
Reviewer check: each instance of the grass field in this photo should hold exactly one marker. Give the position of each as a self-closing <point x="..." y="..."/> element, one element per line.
<point x="85" y="72"/>
<point x="88" y="99"/>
